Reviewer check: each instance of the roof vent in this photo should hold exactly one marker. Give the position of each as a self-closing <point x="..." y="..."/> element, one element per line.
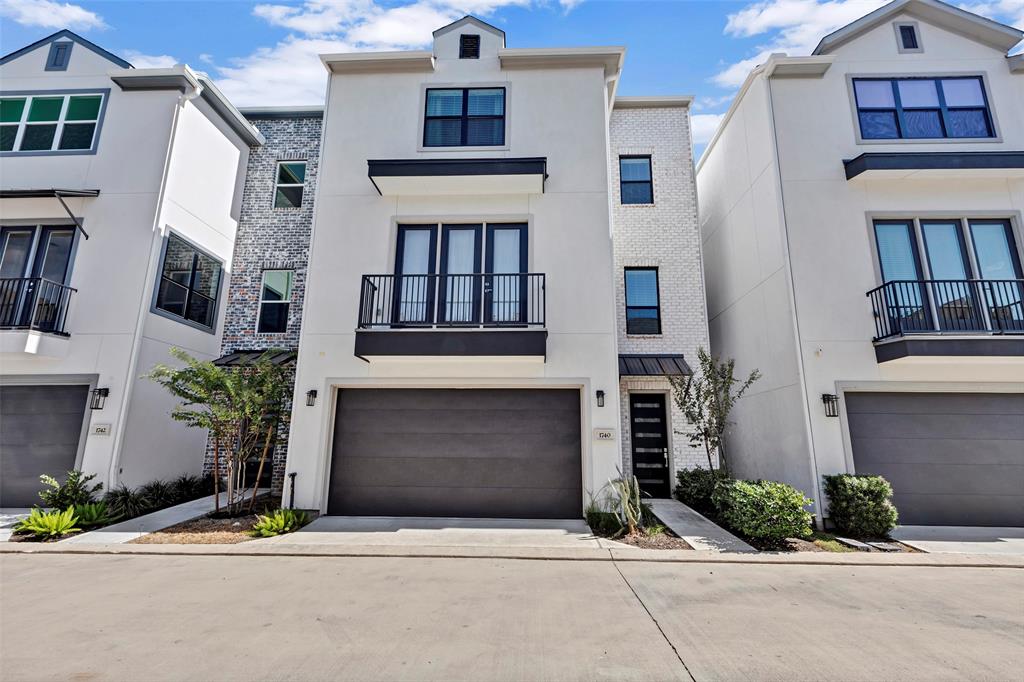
<point x="469" y="46"/>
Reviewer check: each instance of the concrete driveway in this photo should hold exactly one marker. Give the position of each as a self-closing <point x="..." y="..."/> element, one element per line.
<point x="145" y="617"/>
<point x="963" y="539"/>
<point x="444" y="532"/>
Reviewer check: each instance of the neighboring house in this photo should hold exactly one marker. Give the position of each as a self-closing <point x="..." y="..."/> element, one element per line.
<point x="861" y="222"/>
<point x="268" y="277"/>
<point x="459" y="354"/>
<point x="119" y="200"/>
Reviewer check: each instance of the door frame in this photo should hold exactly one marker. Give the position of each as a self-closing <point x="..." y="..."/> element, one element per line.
<point x="669" y="431"/>
<point x="524" y="267"/>
<point x="431" y="270"/>
<point x="442" y="294"/>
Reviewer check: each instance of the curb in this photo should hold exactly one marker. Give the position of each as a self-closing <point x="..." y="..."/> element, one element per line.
<point x="527" y="554"/>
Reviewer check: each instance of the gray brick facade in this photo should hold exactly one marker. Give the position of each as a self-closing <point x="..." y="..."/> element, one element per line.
<point x="664" y="235"/>
<point x="271" y="238"/>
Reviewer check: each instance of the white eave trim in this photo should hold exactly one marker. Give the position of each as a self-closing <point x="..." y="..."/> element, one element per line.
<point x="1016" y="63"/>
<point x="610" y="58"/>
<point x="665" y="102"/>
<point x="379" y="62"/>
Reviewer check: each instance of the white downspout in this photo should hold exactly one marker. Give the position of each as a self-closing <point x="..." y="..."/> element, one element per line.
<point x="113" y="473"/>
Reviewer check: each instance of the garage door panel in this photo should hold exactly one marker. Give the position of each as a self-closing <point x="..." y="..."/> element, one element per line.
<point x="898" y="402"/>
<point x="952" y="459"/>
<point x="875" y="452"/>
<point x="444" y="420"/>
<point x="448" y="452"/>
<point x="962" y="510"/>
<point x="480" y="445"/>
<point x="521" y="503"/>
<point x="459" y="472"/>
<point x="937" y="426"/>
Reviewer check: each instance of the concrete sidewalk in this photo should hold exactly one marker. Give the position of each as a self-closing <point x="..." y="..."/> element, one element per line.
<point x="963" y="539"/>
<point x="699" y="532"/>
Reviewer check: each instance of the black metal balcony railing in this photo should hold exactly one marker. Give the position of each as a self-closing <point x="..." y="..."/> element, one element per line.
<point x="475" y="300"/>
<point x="34" y="303"/>
<point x="944" y="306"/>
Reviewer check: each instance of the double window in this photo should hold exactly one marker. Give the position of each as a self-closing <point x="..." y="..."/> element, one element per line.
<point x="950" y="274"/>
<point x="50" y="123"/>
<point x="275" y="301"/>
<point x="189" y="283"/>
<point x="289" y="184"/>
<point x="922" y="108"/>
<point x="464" y="117"/>
<point x="635" y="184"/>
<point x="643" y="311"/>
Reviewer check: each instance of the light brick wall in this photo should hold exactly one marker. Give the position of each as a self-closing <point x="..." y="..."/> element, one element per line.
<point x="664" y="235"/>
<point x="271" y="238"/>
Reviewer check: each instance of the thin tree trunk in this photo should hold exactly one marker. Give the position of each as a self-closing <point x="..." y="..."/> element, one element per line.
<point x="216" y="472"/>
<point x="259" y="471"/>
<point x="707" y="449"/>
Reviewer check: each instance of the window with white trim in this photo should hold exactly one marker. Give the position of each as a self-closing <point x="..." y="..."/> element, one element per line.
<point x="50" y="123"/>
<point x="275" y="301"/>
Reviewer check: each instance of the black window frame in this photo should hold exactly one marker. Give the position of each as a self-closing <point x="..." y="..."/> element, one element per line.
<point x="465" y="118"/>
<point x="657" y="295"/>
<point x="190" y="290"/>
<point x="278" y="184"/>
<point x="649" y="183"/>
<point x="943" y="109"/>
<point x="468" y="47"/>
<point x="286" y="302"/>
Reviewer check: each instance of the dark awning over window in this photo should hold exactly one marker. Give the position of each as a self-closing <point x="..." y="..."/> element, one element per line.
<point x="653" y="366"/>
<point x="57" y="194"/>
<point x="935" y="164"/>
<point x="244" y="358"/>
<point x="431" y="177"/>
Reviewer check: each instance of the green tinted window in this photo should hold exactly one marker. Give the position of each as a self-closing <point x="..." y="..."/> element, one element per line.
<point x="291" y="173"/>
<point x="7" y="137"/>
<point x="11" y="109"/>
<point x="45" y="108"/>
<point x="83" y="108"/>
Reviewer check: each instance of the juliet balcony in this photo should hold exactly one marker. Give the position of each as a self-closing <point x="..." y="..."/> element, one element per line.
<point x="34" y="304"/>
<point x="445" y="315"/>
<point x="971" y="317"/>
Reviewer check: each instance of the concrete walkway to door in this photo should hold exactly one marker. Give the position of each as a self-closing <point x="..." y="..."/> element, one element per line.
<point x="442" y="532"/>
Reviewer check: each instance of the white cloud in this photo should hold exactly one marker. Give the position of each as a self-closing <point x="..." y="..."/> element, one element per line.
<point x="703" y="127"/>
<point x="150" y="61"/>
<point x="705" y="102"/>
<point x="49" y="14"/>
<point x="570" y="5"/>
<point x="796" y="26"/>
<point x="290" y="72"/>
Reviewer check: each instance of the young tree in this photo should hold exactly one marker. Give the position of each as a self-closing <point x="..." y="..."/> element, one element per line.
<point x="241" y="407"/>
<point x="707" y="399"/>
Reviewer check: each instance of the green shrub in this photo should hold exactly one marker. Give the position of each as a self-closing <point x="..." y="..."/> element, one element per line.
<point x="94" y="515"/>
<point x="49" y="525"/>
<point x="187" y="487"/>
<point x="126" y="503"/>
<point x="73" y="492"/>
<point x="279" y="522"/>
<point x="158" y="495"/>
<point x="694" y="488"/>
<point x="861" y="506"/>
<point x="764" y="511"/>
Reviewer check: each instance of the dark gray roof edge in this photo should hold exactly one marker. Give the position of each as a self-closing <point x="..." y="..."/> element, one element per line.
<point x="273" y="113"/>
<point x="232" y="116"/>
<point x="65" y="33"/>
<point x="931" y="161"/>
<point x="47" y="192"/>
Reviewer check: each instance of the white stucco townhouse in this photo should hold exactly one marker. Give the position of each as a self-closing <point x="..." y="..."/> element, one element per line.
<point x="119" y="192"/>
<point x="861" y="222"/>
<point x="503" y="252"/>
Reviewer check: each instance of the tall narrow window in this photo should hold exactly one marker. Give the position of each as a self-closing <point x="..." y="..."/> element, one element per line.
<point x="291" y="179"/>
<point x="189" y="283"/>
<point x="643" y="314"/>
<point x="908" y="38"/>
<point x="467" y="117"/>
<point x="275" y="300"/>
<point x="469" y="47"/>
<point x="635" y="185"/>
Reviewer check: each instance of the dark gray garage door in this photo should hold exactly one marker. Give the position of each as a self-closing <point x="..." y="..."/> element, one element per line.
<point x="40" y="429"/>
<point x="503" y="453"/>
<point x="954" y="459"/>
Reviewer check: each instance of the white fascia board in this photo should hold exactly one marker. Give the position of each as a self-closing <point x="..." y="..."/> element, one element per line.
<point x="662" y="102"/>
<point x="610" y="58"/>
<point x="378" y="62"/>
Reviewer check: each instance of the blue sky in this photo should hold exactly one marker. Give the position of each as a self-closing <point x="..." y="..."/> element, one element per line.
<point x="264" y="53"/>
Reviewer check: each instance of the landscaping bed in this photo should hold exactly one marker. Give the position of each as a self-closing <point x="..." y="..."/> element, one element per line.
<point x="662" y="540"/>
<point x="202" y="531"/>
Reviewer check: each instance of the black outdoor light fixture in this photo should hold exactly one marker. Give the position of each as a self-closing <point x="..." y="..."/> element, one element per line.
<point x="311" y="397"/>
<point x="600" y="398"/>
<point x="831" y="402"/>
<point x="99" y="398"/>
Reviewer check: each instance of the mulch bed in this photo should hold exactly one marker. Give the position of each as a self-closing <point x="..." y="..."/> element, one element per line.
<point x="663" y="540"/>
<point x="202" y="531"/>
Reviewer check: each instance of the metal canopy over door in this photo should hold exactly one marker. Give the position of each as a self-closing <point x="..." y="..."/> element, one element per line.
<point x="40" y="431"/>
<point x="649" y="437"/>
<point x="484" y="453"/>
<point x="953" y="459"/>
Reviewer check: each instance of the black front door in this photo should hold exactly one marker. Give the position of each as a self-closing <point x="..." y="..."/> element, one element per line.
<point x="649" y="433"/>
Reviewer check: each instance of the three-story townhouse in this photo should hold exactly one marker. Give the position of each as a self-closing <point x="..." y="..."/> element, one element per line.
<point x="118" y="205"/>
<point x="861" y="220"/>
